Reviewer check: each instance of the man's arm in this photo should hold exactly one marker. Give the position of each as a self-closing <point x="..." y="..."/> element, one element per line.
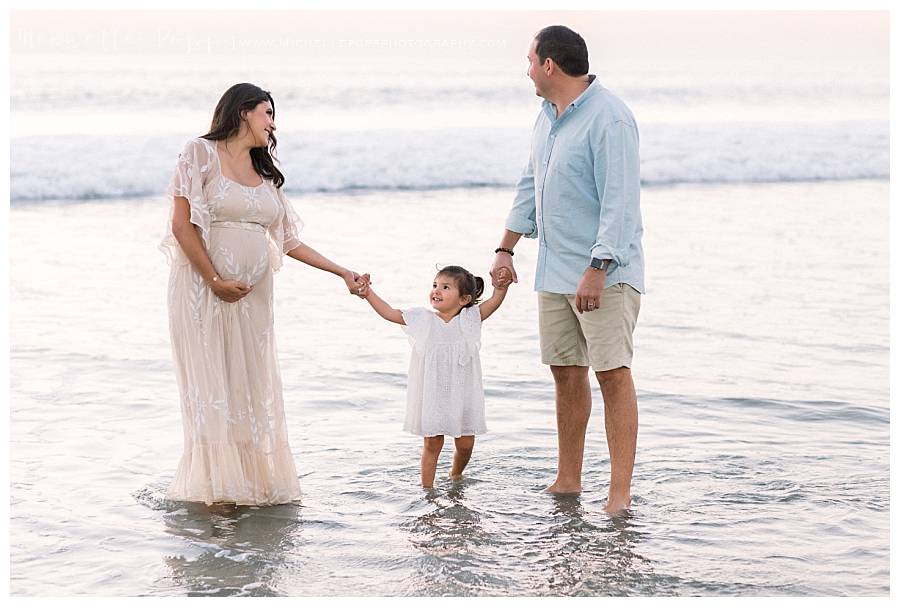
<point x="504" y="260"/>
<point x="617" y="175"/>
<point x="521" y="221"/>
<point x="521" y="218"/>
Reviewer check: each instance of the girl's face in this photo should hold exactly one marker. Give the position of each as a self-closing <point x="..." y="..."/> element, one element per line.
<point x="445" y="295"/>
<point x="261" y="123"/>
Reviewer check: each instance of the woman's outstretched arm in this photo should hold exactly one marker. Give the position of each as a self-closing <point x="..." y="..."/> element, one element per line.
<point x="313" y="258"/>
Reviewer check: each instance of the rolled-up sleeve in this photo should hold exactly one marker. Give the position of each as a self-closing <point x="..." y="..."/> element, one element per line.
<point x="618" y="181"/>
<point x="521" y="218"/>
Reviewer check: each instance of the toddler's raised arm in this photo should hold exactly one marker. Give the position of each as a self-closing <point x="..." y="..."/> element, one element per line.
<point x="489" y="306"/>
<point x="379" y="305"/>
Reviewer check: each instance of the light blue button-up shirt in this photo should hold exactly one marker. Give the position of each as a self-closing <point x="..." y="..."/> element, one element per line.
<point x="580" y="193"/>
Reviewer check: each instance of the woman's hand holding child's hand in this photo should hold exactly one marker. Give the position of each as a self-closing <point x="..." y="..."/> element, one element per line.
<point x="356" y="283"/>
<point x="364" y="283"/>
<point x="365" y="289"/>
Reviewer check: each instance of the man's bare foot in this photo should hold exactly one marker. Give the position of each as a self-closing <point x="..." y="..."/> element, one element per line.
<point x="616" y="506"/>
<point x="558" y="488"/>
<point x="454" y="477"/>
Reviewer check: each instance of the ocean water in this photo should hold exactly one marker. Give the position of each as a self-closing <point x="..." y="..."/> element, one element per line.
<point x="762" y="461"/>
<point x="95" y="130"/>
<point x="762" y="369"/>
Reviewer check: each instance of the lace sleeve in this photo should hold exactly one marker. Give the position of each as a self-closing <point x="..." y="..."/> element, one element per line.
<point x="471" y="325"/>
<point x="284" y="233"/>
<point x="193" y="164"/>
<point x="418" y="325"/>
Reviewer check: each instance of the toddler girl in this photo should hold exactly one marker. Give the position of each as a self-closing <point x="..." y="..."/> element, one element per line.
<point x="444" y="392"/>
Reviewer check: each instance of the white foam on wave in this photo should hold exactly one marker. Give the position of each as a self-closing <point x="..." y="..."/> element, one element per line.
<point x="100" y="167"/>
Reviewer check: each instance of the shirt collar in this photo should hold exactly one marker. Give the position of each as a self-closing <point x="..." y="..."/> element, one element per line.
<point x="592" y="88"/>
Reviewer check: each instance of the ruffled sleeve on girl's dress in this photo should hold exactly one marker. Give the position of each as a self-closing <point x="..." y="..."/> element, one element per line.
<point x="470" y="324"/>
<point x="284" y="233"/>
<point x="192" y="168"/>
<point x="418" y="326"/>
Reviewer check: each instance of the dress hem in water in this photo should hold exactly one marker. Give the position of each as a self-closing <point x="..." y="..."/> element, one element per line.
<point x="235" y="474"/>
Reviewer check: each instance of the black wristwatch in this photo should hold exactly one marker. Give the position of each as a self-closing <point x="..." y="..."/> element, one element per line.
<point x="600" y="264"/>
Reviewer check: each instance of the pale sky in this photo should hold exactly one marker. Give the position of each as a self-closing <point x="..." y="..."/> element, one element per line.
<point x="615" y="38"/>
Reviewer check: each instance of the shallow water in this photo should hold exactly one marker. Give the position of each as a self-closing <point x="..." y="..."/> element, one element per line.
<point x="762" y="376"/>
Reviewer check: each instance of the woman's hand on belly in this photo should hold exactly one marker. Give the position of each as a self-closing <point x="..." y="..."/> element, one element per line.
<point x="230" y="290"/>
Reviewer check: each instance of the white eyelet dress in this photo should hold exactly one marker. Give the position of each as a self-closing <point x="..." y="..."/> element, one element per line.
<point x="235" y="436"/>
<point x="445" y="395"/>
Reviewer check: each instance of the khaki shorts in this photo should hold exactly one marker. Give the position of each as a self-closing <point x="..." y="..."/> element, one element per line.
<point x="602" y="338"/>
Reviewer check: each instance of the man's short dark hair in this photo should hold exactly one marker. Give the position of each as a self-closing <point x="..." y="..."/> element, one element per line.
<point x="567" y="49"/>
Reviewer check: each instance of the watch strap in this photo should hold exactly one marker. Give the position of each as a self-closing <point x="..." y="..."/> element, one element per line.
<point x="600" y="264"/>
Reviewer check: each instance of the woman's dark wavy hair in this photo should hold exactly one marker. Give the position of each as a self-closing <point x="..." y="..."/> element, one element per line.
<point x="470" y="285"/>
<point x="226" y="122"/>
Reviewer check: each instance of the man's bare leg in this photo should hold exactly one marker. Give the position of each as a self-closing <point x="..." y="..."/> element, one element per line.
<point x="621" y="419"/>
<point x="573" y="410"/>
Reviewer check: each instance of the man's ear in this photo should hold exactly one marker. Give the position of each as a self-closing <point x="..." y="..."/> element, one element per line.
<point x="549" y="66"/>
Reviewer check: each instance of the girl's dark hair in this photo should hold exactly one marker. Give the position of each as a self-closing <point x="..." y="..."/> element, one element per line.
<point x="467" y="284"/>
<point x="567" y="49"/>
<point x="226" y="122"/>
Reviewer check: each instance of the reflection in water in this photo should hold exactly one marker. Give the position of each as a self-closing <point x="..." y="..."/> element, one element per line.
<point x="451" y="526"/>
<point x="564" y="548"/>
<point x="233" y="550"/>
<point x="590" y="558"/>
<point x="455" y="548"/>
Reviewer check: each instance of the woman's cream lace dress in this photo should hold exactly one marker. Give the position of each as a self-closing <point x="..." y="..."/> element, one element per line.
<point x="235" y="436"/>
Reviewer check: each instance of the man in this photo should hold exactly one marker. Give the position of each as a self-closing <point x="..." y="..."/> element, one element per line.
<point x="579" y="195"/>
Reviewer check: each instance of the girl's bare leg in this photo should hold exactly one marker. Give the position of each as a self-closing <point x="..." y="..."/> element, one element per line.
<point x="431" y="449"/>
<point x="461" y="455"/>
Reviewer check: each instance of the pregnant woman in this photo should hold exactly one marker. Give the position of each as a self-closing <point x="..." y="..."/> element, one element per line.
<point x="229" y="225"/>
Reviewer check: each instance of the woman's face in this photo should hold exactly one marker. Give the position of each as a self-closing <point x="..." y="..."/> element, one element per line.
<point x="261" y="123"/>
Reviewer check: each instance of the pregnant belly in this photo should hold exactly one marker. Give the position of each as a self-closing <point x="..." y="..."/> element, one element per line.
<point x="239" y="253"/>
